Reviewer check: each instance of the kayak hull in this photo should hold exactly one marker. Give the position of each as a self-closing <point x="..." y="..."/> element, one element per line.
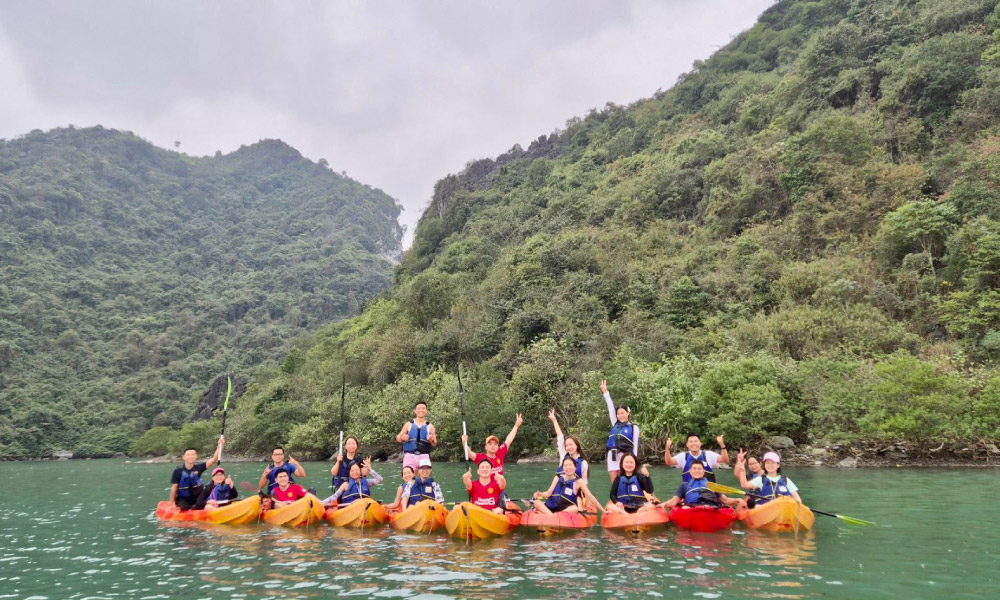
<point x="364" y="513"/>
<point x="702" y="518"/>
<point x="468" y="521"/>
<point x="303" y="512"/>
<point x="236" y="513"/>
<point x="781" y="514"/>
<point x="639" y="522"/>
<point x="551" y="524"/>
<point x="423" y="517"/>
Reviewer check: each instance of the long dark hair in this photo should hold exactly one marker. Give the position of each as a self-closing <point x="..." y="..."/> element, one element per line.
<point x="635" y="461"/>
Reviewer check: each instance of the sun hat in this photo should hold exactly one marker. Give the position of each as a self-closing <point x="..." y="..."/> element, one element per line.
<point x="772" y="456"/>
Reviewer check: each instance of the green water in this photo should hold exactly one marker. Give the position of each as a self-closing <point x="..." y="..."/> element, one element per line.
<point x="85" y="529"/>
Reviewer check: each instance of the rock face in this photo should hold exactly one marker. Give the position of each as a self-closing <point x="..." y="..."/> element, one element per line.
<point x="62" y="454"/>
<point x="848" y="463"/>
<point x="215" y="396"/>
<point x="780" y="442"/>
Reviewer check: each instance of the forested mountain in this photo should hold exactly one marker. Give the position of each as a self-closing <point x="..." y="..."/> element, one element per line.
<point x="130" y="276"/>
<point x="800" y="237"/>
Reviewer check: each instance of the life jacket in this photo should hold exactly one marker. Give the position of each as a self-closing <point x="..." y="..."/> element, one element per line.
<point x="486" y="495"/>
<point x="771" y="490"/>
<point x="417" y="444"/>
<point x="688" y="459"/>
<point x="344" y="473"/>
<point x="620" y="437"/>
<point x="563" y="496"/>
<point x="272" y="483"/>
<point x="220" y="493"/>
<point x="190" y="484"/>
<point x="579" y="465"/>
<point x="355" y="491"/>
<point x="422" y="489"/>
<point x="696" y="493"/>
<point x="629" y="491"/>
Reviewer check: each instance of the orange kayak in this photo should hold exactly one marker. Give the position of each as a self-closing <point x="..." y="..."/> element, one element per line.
<point x="423" y="517"/>
<point x="360" y="513"/>
<point x="702" y="518"/>
<point x="235" y="513"/>
<point x="468" y="521"/>
<point x="549" y="524"/>
<point x="781" y="514"/>
<point x="635" y="522"/>
<point x="303" y="512"/>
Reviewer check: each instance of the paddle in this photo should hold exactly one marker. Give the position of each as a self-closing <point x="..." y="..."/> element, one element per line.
<point x="225" y="409"/>
<point x="461" y="399"/>
<point x="725" y="489"/>
<point x="343" y="393"/>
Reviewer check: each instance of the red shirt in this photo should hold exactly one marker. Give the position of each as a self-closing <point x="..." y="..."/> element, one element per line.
<point x="487" y="496"/>
<point x="496" y="462"/>
<point x="294" y="492"/>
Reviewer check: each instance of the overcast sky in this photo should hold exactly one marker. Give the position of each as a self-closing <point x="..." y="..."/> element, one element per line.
<point x="396" y="93"/>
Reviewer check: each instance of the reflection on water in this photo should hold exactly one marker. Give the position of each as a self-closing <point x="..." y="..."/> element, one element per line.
<point x="61" y="538"/>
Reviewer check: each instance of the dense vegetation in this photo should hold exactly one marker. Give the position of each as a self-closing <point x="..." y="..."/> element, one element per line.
<point x="130" y="276"/>
<point x="801" y="237"/>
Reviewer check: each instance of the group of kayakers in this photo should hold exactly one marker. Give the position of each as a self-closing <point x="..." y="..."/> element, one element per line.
<point x="631" y="486"/>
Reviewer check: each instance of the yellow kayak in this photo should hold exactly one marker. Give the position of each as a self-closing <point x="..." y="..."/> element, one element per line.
<point x="781" y="514"/>
<point x="360" y="513"/>
<point x="236" y="513"/>
<point x="468" y="521"/>
<point x="304" y="511"/>
<point x="424" y="516"/>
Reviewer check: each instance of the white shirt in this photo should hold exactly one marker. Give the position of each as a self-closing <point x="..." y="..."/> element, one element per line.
<point x="710" y="458"/>
<point x="758" y="483"/>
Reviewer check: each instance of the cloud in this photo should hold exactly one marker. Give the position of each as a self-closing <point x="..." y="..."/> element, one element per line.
<point x="397" y="93"/>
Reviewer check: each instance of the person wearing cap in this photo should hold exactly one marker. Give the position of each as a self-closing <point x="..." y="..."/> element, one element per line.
<point x="218" y="493"/>
<point x="709" y="460"/>
<point x="624" y="436"/>
<point x="496" y="452"/>
<point x="424" y="487"/>
<point x="771" y="484"/>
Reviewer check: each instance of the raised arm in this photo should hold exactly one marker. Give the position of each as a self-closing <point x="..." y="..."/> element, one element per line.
<point x="513" y="431"/>
<point x="370" y="473"/>
<point x="299" y="471"/>
<point x="724" y="454"/>
<point x="432" y="435"/>
<point x="465" y="447"/>
<point x="263" y="478"/>
<point x="404" y="433"/>
<point x="336" y="466"/>
<point x="668" y="458"/>
<point x="609" y="402"/>
<point x="215" y="457"/>
<point x="467" y="479"/>
<point x="740" y="471"/>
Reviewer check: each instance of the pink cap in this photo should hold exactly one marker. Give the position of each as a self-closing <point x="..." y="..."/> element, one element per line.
<point x="772" y="456"/>
<point x="217" y="470"/>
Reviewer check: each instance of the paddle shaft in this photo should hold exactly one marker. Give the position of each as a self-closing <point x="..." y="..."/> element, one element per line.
<point x="725" y="489"/>
<point x="461" y="400"/>
<point x="225" y="409"/>
<point x="343" y="395"/>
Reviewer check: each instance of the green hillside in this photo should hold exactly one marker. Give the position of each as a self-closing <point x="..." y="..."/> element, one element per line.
<point x="130" y="276"/>
<point x="801" y="237"/>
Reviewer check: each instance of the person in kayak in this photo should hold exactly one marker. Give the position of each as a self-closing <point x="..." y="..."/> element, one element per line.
<point x="185" y="483"/>
<point x="278" y="464"/>
<point x="403" y="490"/>
<point x="695" y="492"/>
<point x="496" y="452"/>
<point x="369" y="476"/>
<point x="220" y="492"/>
<point x="418" y="437"/>
<point x="342" y="467"/>
<point x="632" y="490"/>
<point x="424" y="487"/>
<point x="567" y="492"/>
<point x="709" y="460"/>
<point x="286" y="492"/>
<point x="752" y="465"/>
<point x="624" y="436"/>
<point x="487" y="489"/>
<point x="569" y="446"/>
<point x="356" y="487"/>
<point x="770" y="485"/>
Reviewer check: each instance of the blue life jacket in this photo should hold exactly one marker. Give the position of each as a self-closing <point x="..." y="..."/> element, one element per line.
<point x="770" y="490"/>
<point x="696" y="493"/>
<point x="563" y="496"/>
<point x="190" y="484"/>
<point x="220" y="493"/>
<point x="620" y="437"/>
<point x="688" y="459"/>
<point x="629" y="491"/>
<point x="579" y="465"/>
<point x="422" y="489"/>
<point x="417" y="444"/>
<point x="287" y="468"/>
<point x="343" y="474"/>
<point x="356" y="491"/>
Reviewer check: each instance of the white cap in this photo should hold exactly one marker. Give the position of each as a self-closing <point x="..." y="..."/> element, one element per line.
<point x="424" y="462"/>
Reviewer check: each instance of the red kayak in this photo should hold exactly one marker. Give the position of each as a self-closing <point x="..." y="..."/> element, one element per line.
<point x="702" y="518"/>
